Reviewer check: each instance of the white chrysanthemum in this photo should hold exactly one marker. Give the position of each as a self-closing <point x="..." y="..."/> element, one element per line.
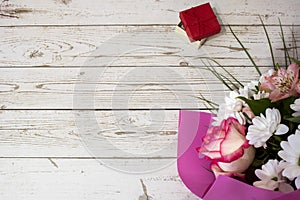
<point x="252" y="85"/>
<point x="291" y="155"/>
<point x="232" y="106"/>
<point x="296" y="107"/>
<point x="271" y="177"/>
<point x="261" y="95"/>
<point x="264" y="127"/>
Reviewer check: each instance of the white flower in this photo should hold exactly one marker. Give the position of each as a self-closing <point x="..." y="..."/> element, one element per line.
<point x="261" y="95"/>
<point x="296" y="107"/>
<point x="271" y="178"/>
<point x="232" y="106"/>
<point x="221" y="115"/>
<point x="291" y="155"/>
<point x="264" y="127"/>
<point x="252" y="85"/>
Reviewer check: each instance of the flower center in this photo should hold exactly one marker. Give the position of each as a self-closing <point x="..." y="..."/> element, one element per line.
<point x="275" y="178"/>
<point x="299" y="161"/>
<point x="285" y="83"/>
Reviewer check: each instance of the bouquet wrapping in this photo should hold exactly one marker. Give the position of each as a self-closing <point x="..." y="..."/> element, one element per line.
<point x="196" y="174"/>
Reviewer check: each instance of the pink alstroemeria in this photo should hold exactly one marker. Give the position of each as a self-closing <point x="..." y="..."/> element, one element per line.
<point x="283" y="83"/>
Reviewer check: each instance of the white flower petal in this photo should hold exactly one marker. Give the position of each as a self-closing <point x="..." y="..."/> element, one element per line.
<point x="296" y="114"/>
<point x="240" y="117"/>
<point x="277" y="115"/>
<point x="285" y="188"/>
<point x="295" y="107"/>
<point x="297" y="182"/>
<point x="264" y="127"/>
<point x="272" y="169"/>
<point x="259" y="123"/>
<point x="291" y="171"/>
<point x="262" y="174"/>
<point x="297" y="101"/>
<point x="270" y="115"/>
<point x="288" y="154"/>
<point x="268" y="184"/>
<point x="294" y="141"/>
<point x="287" y="157"/>
<point x="282" y="129"/>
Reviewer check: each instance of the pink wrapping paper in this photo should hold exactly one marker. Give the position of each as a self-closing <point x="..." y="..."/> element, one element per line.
<point x="195" y="172"/>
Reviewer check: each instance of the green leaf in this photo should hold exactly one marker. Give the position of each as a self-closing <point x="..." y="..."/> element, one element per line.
<point x="293" y="119"/>
<point x="257" y="106"/>
<point x="284" y="106"/>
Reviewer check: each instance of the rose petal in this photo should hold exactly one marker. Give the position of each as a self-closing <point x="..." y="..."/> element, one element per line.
<point x="241" y="164"/>
<point x="232" y="141"/>
<point x="211" y="155"/>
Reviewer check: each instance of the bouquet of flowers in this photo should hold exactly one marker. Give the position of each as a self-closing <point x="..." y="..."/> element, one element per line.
<point x="252" y="143"/>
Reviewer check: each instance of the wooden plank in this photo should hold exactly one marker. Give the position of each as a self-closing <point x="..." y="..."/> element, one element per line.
<point x="81" y="12"/>
<point x="115" y="134"/>
<point x="85" y="180"/>
<point x="114" y="87"/>
<point x="134" y="46"/>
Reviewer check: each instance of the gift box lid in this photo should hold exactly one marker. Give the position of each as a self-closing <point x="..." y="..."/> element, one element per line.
<point x="200" y="22"/>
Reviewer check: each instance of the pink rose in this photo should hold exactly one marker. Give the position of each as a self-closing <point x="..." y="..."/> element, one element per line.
<point x="282" y="83"/>
<point x="227" y="147"/>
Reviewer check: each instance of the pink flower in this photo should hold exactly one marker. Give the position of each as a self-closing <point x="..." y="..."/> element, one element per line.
<point x="227" y="147"/>
<point x="283" y="83"/>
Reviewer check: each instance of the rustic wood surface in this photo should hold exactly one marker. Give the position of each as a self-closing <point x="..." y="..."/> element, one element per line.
<point x="90" y="90"/>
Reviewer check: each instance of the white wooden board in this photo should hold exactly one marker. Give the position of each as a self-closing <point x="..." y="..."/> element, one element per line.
<point x="85" y="180"/>
<point x="114" y="87"/>
<point x="57" y="133"/>
<point x="135" y="46"/>
<point x="81" y="12"/>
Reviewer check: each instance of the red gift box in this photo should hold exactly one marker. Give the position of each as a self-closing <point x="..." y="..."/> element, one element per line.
<point x="200" y="22"/>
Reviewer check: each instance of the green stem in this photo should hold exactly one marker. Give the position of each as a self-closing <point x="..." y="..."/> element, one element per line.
<point x="257" y="69"/>
<point x="286" y="53"/>
<point x="269" y="41"/>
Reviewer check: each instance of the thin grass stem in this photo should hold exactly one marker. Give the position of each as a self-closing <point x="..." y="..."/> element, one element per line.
<point x="269" y="41"/>
<point x="249" y="56"/>
<point x="286" y="53"/>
